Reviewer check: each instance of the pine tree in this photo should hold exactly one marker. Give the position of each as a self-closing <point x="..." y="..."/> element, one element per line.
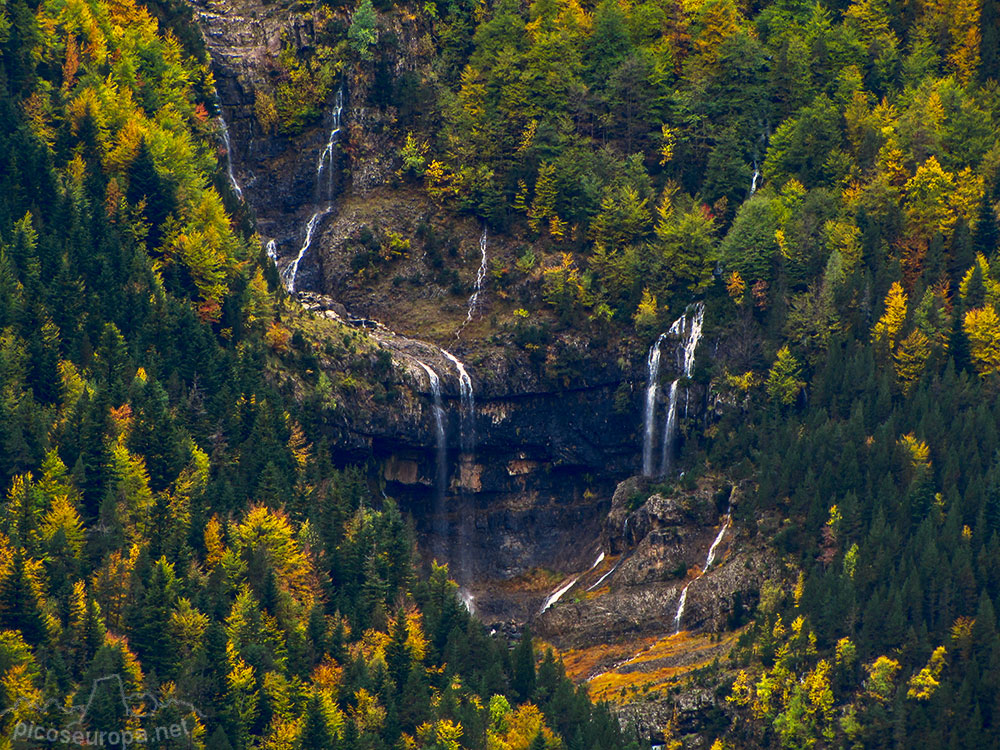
<point x="21" y="602"/>
<point x="363" y="32"/>
<point x="397" y="654"/>
<point x="523" y="678"/>
<point x="316" y="733"/>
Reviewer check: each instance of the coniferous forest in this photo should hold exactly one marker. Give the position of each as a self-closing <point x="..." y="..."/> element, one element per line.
<point x="180" y="506"/>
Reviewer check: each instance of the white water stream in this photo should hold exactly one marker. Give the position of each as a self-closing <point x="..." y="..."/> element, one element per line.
<point x="468" y="398"/>
<point x="679" y="617"/>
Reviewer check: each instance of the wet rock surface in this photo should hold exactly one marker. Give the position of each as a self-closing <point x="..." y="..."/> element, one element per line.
<point x="535" y="490"/>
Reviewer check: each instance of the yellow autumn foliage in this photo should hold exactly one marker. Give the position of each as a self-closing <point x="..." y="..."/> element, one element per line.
<point x="982" y="329"/>
<point x="889" y="325"/>
<point x="923" y="684"/>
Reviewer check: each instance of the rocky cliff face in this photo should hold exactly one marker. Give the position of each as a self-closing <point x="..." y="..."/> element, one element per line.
<point x="549" y="448"/>
<point x="653" y="610"/>
<point x="523" y="513"/>
<point x="278" y="172"/>
<point x="533" y="491"/>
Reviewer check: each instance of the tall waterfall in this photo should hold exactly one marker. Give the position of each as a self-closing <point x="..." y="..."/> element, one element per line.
<point x="753" y="181"/>
<point x="669" y="430"/>
<point x="468" y="415"/>
<point x="652" y="384"/>
<point x="688" y="329"/>
<point x="325" y="161"/>
<point x="441" y="467"/>
<point x="292" y="270"/>
<point x="682" y="602"/>
<point x="224" y="132"/>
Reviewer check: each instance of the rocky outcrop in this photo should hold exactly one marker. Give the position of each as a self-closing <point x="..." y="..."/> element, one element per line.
<point x="532" y="494"/>
<point x="616" y="626"/>
<point x="276" y="172"/>
<point x="655" y="545"/>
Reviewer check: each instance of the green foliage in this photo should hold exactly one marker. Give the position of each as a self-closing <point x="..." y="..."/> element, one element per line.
<point x="133" y="355"/>
<point x="783" y="380"/>
<point x="170" y="515"/>
<point x="363" y="32"/>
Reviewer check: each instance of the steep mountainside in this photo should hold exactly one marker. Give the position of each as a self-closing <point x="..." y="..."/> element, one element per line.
<point x="542" y="189"/>
<point x="672" y="327"/>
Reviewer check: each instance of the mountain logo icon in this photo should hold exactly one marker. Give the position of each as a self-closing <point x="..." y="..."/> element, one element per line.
<point x="107" y="694"/>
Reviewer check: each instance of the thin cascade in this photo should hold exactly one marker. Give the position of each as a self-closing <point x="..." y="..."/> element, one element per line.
<point x="603" y="577"/>
<point x="687" y="328"/>
<point x="718" y="539"/>
<point x="468" y="397"/>
<point x="756" y="176"/>
<point x="325" y="161"/>
<point x="478" y="286"/>
<point x="709" y="559"/>
<point x="682" y="602"/>
<point x="441" y="468"/>
<point x="292" y="270"/>
<point x="557" y="594"/>
<point x="224" y="131"/>
<point x="598" y="561"/>
<point x="468" y="600"/>
<point x="649" y="418"/>
<point x="272" y="251"/>
<point x="669" y="428"/>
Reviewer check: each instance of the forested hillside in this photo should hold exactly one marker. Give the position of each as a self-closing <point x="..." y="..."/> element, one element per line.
<point x="823" y="176"/>
<point x="166" y="519"/>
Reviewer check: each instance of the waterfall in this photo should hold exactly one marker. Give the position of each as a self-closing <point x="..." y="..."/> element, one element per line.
<point x="680" y="609"/>
<point x="652" y="376"/>
<point x="688" y="329"/>
<point x="325" y="159"/>
<point x="441" y="473"/>
<point x="292" y="270"/>
<point x="718" y="539"/>
<point x="669" y="429"/>
<point x="480" y="278"/>
<point x="326" y="156"/>
<point x="272" y="251"/>
<point x="598" y="561"/>
<point x="756" y="176"/>
<point x="708" y="564"/>
<point x="557" y="594"/>
<point x="468" y="415"/>
<point x="601" y="579"/>
<point x="229" y="157"/>
<point x="467" y="599"/>
<point x="477" y="286"/>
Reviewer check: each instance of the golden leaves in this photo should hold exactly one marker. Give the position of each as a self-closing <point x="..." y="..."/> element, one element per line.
<point x="888" y="326"/>
<point x="982" y="328"/>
